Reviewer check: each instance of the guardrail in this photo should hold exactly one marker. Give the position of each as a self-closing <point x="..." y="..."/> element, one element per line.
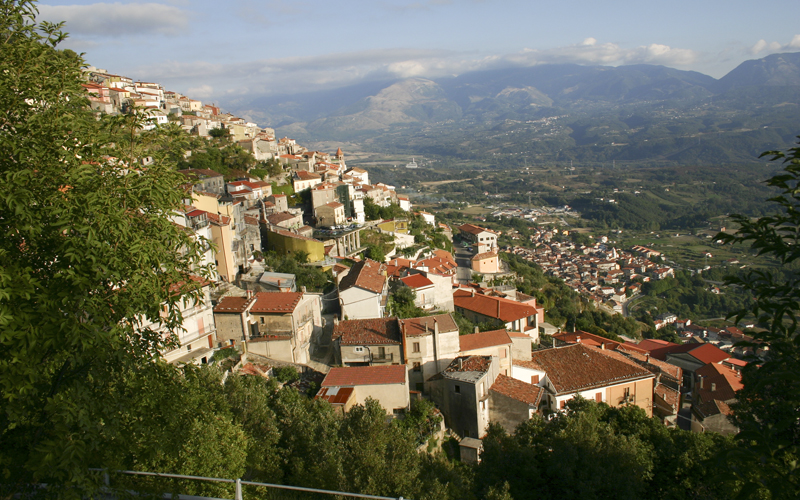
<point x="238" y="483"/>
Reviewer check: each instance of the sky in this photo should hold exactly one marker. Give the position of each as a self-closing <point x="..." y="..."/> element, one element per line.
<point x="230" y="48"/>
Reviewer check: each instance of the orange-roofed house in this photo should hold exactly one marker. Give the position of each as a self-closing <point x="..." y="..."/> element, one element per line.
<point x="715" y="391"/>
<point x="430" y="343"/>
<point x="366" y="342"/>
<point x="484" y="240"/>
<point x="276" y="325"/>
<point x="386" y="384"/>
<point x="691" y="357"/>
<point x="461" y="391"/>
<point x="505" y="313"/>
<point x="513" y="401"/>
<point x="576" y="369"/>
<point x="496" y="343"/>
<point x="424" y="289"/>
<point x="486" y="263"/>
<point x="363" y="292"/>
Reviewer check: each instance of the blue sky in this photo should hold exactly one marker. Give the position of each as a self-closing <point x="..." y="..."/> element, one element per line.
<point x="218" y="49"/>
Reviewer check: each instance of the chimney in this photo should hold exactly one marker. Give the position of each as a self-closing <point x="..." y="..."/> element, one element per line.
<point x="603" y="346"/>
<point x="335" y="320"/>
<point x="701" y="382"/>
<point x="435" y="327"/>
<point x="249" y="294"/>
<point x="460" y="363"/>
<point x="578" y="339"/>
<point x="647" y="358"/>
<point x="477" y="329"/>
<point x="473" y="292"/>
<point x="426" y="328"/>
<point x="713" y="387"/>
<point x="303" y="288"/>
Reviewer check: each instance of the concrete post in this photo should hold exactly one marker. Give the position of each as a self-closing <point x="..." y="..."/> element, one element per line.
<point x="238" y="489"/>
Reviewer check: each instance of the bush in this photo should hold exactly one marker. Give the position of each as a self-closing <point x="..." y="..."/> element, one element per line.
<point x="286" y="374"/>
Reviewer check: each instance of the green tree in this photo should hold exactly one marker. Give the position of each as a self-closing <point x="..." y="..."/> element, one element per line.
<point x="89" y="254"/>
<point x="768" y="459"/>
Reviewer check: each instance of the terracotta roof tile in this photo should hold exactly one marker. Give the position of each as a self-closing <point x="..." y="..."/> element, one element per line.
<point x="276" y="302"/>
<point x="577" y="367"/>
<point x="416" y="281"/>
<point x="517" y="389"/>
<point x="366" y="274"/>
<point x="482" y="340"/>
<point x="365" y="375"/>
<point x="236" y="305"/>
<point x="494" y="307"/>
<point x="416" y="327"/>
<point x="718" y="382"/>
<point x="668" y="394"/>
<point x="377" y="331"/>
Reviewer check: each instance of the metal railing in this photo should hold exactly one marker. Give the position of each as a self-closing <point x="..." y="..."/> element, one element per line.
<point x="238" y="483"/>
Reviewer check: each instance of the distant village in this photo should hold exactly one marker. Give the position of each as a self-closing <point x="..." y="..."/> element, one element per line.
<point x="349" y="340"/>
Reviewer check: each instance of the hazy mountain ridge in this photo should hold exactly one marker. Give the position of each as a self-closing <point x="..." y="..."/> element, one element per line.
<point x="643" y="111"/>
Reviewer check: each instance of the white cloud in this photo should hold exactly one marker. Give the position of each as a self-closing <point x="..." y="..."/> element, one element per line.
<point x="117" y="19"/>
<point x="301" y="74"/>
<point x="589" y="51"/>
<point x="765" y="48"/>
<point x="201" y="92"/>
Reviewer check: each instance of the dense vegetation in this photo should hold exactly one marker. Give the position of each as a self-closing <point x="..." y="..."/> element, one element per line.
<point x="90" y="254"/>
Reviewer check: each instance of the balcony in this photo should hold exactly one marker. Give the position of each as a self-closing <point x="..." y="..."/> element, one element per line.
<point x="386" y="357"/>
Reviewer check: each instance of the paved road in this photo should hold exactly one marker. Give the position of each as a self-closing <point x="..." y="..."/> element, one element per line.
<point x="464" y="271"/>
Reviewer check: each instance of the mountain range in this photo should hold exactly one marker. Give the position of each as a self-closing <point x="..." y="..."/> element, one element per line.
<point x="751" y="109"/>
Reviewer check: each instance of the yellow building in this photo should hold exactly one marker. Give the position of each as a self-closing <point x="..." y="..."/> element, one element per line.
<point x="285" y="242"/>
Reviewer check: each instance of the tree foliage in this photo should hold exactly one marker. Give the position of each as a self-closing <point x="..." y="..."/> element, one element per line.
<point x="769" y="403"/>
<point x="89" y="254"/>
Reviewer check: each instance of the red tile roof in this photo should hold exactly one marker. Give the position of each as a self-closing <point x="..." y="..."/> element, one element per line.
<point x="582" y="337"/>
<point x="517" y="389"/>
<point x="577" y="367"/>
<point x="416" y="327"/>
<point x="709" y="353"/>
<point x="416" y="281"/>
<point x="482" y="340"/>
<point x="725" y="382"/>
<point x="493" y="307"/>
<point x="366" y="274"/>
<point x="280" y="217"/>
<point x="236" y="305"/>
<point x="378" y="331"/>
<point x="276" y="302"/>
<point x="485" y="255"/>
<point x="668" y="394"/>
<point x="473" y="229"/>
<point x="365" y="375"/>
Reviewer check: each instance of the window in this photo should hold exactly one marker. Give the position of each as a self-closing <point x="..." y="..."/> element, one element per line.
<point x="563" y="404"/>
<point x="503" y="353"/>
<point x="262" y="320"/>
<point x="598" y="397"/>
<point x="457" y="388"/>
<point x="359" y="349"/>
<point x="415" y="347"/>
<point x="417" y="366"/>
<point x="534" y="379"/>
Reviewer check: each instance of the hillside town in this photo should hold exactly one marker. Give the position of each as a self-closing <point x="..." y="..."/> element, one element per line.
<point x="348" y="335"/>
